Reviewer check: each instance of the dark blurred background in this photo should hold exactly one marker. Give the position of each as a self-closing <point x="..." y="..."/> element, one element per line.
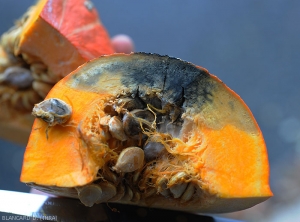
<point x="252" y="46"/>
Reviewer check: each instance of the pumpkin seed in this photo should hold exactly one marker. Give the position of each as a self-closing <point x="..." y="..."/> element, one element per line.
<point x="116" y="128"/>
<point x="178" y="183"/>
<point x="18" y="77"/>
<point x="135" y="177"/>
<point x="41" y="88"/>
<point x="188" y="193"/>
<point x="154" y="101"/>
<point x="178" y="189"/>
<point x="120" y="193"/>
<point x="162" y="187"/>
<point x="53" y="111"/>
<point x="131" y="104"/>
<point x="137" y="121"/>
<point x="152" y="150"/>
<point x="131" y="126"/>
<point x="129" y="160"/>
<point x="108" y="192"/>
<point x="128" y="194"/>
<point x="110" y="176"/>
<point x="178" y="178"/>
<point x="89" y="194"/>
<point x="136" y="197"/>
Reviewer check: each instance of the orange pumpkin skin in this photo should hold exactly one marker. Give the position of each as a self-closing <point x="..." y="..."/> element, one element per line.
<point x="215" y="151"/>
<point x="52" y="39"/>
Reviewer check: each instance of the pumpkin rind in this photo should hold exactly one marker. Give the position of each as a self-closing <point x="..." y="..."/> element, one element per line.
<point x="219" y="147"/>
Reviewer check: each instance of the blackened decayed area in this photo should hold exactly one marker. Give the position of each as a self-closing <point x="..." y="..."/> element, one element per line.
<point x="145" y="70"/>
<point x="178" y="80"/>
<point x="183" y="77"/>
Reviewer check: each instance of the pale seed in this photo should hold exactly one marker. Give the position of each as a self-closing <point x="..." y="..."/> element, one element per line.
<point x="188" y="193"/>
<point x="108" y="192"/>
<point x="53" y="111"/>
<point x="89" y="194"/>
<point x="129" y="160"/>
<point x="116" y="128"/>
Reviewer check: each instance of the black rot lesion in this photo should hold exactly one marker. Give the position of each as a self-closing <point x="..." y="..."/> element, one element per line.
<point x="207" y="95"/>
<point x="180" y="101"/>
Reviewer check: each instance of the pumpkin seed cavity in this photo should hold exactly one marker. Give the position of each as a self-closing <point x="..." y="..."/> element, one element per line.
<point x="138" y="133"/>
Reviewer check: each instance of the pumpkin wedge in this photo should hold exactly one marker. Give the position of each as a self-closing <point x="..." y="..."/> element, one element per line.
<point x="149" y="130"/>
<point x="52" y="39"/>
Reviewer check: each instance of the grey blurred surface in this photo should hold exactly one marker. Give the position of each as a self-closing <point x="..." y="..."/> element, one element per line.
<point x="252" y="46"/>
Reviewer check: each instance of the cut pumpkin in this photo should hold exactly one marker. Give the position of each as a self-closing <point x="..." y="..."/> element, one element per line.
<point x="52" y="39"/>
<point x="64" y="35"/>
<point x="149" y="130"/>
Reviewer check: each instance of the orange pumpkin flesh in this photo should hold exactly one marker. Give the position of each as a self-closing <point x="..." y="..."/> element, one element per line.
<point x="56" y="35"/>
<point x="215" y="142"/>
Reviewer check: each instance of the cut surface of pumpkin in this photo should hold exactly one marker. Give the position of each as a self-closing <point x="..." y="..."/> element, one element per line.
<point x="149" y="130"/>
<point x="52" y="39"/>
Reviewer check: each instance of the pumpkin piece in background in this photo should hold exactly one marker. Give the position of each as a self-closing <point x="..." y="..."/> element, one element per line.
<point x="52" y="39"/>
<point x="210" y="155"/>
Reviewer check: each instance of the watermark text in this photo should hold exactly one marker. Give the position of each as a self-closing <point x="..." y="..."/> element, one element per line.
<point x="33" y="217"/>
